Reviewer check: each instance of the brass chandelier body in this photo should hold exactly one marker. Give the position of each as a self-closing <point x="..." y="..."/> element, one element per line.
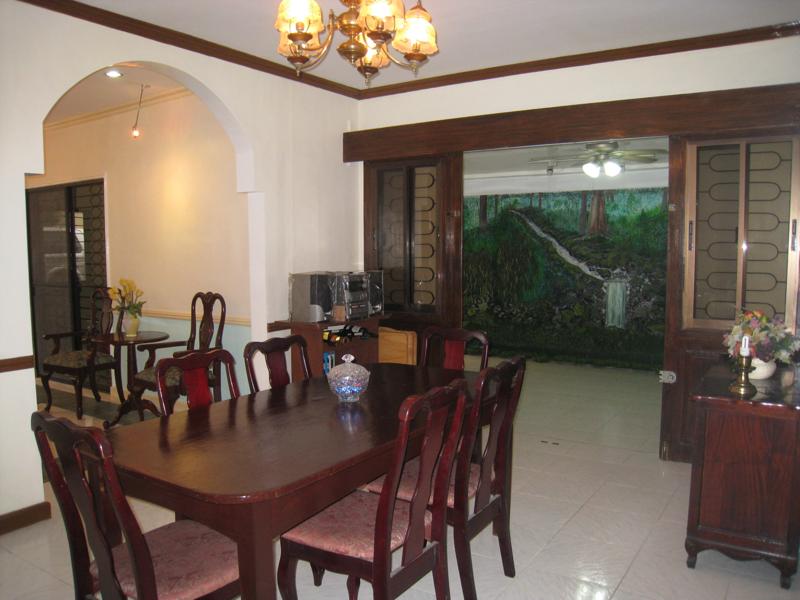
<point x="371" y="28"/>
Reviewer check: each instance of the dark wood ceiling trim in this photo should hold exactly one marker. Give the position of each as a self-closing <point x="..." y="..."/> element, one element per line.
<point x="187" y="42"/>
<point x="18" y="363"/>
<point x="742" y="36"/>
<point x="201" y="46"/>
<point x="707" y="113"/>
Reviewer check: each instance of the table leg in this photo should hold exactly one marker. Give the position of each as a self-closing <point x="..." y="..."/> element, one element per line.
<point x="134" y="400"/>
<point x="257" y="559"/>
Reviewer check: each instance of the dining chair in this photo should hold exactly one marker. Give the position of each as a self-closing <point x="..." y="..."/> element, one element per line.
<point x="274" y="351"/>
<point x="454" y="343"/>
<point x="487" y="482"/>
<point x="193" y="371"/>
<point x="200" y="337"/>
<point x="88" y="358"/>
<point x="357" y="535"/>
<point x="179" y="560"/>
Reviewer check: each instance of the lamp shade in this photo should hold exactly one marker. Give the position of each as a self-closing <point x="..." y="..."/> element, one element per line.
<point x="374" y="57"/>
<point x="381" y="15"/>
<point x="417" y="35"/>
<point x="299" y="16"/>
<point x="592" y="169"/>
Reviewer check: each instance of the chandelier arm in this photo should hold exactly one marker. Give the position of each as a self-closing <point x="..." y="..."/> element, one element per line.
<point x="318" y="54"/>
<point x="397" y="61"/>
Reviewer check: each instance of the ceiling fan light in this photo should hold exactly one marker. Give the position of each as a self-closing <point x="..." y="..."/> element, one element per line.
<point x="417" y="36"/>
<point x="592" y="169"/>
<point x="612" y="168"/>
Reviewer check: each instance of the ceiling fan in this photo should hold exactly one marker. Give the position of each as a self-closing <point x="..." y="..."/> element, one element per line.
<point x="605" y="157"/>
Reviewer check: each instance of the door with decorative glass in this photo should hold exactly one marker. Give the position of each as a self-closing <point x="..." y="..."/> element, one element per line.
<point x="739" y="250"/>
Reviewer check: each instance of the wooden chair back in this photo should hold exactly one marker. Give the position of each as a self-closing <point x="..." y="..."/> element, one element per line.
<point x="439" y="439"/>
<point x="90" y="496"/>
<point x="454" y="341"/>
<point x="194" y="367"/>
<point x="203" y="334"/>
<point x="497" y="392"/>
<point x="274" y="351"/>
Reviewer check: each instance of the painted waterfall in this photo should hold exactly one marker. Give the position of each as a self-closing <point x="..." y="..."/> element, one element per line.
<point x="573" y="276"/>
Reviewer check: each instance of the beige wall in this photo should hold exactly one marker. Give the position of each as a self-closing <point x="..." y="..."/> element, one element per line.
<point x="302" y="202"/>
<point x="174" y="220"/>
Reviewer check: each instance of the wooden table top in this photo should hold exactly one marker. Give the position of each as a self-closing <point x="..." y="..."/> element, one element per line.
<point x="272" y="443"/>
<point x="141" y="337"/>
<point x="780" y="390"/>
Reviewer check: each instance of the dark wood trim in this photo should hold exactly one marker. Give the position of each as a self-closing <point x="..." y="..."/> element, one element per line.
<point x="194" y="44"/>
<point x="187" y="42"/>
<point x="742" y="36"/>
<point x="17" y="363"/>
<point x="24" y="516"/>
<point x="769" y="108"/>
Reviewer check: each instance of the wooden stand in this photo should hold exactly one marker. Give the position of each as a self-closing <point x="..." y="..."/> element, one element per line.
<point x="365" y="350"/>
<point x="746" y="472"/>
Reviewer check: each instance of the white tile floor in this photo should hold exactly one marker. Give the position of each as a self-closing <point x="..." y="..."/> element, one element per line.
<point x="595" y="514"/>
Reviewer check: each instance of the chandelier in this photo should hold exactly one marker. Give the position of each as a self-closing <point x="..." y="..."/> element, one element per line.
<point x="370" y="26"/>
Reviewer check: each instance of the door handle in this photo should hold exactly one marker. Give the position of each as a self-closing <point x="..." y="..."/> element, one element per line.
<point x="691" y="236"/>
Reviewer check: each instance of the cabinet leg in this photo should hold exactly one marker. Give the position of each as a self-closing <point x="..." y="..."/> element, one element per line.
<point x="691" y="561"/>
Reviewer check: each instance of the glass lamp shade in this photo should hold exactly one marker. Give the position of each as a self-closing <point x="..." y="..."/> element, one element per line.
<point x="374" y="57"/>
<point x="612" y="168"/>
<point x="592" y="169"/>
<point x="417" y="36"/>
<point x="381" y="15"/>
<point x="299" y="16"/>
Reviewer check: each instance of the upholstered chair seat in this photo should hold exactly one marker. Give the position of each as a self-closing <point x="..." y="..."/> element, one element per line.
<point x="348" y="527"/>
<point x="77" y="359"/>
<point x="409" y="478"/>
<point x="189" y="559"/>
<point x="148" y="376"/>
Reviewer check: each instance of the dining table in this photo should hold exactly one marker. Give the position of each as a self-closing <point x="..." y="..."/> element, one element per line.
<point x="255" y="466"/>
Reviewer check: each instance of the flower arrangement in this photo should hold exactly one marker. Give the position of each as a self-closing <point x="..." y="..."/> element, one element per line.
<point x="128" y="297"/>
<point x="769" y="338"/>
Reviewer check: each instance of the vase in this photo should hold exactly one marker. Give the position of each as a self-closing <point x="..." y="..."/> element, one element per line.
<point x="131" y="324"/>
<point x="761" y="369"/>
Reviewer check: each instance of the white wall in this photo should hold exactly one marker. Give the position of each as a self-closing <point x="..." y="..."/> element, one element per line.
<point x="302" y="201"/>
<point x="746" y="65"/>
<point x="174" y="220"/>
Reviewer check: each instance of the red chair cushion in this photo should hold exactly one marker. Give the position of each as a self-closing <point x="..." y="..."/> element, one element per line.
<point x="348" y="526"/>
<point x="189" y="559"/>
<point x="454" y="354"/>
<point x="408" y="481"/>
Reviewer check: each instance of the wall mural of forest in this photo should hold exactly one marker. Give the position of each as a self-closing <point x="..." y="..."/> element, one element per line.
<point x="569" y="276"/>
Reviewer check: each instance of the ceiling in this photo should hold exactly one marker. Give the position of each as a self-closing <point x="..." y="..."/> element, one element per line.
<point x="475" y="34"/>
<point x="525" y="170"/>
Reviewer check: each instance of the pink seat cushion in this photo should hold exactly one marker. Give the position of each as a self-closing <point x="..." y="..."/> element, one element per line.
<point x="408" y="481"/>
<point x="348" y="526"/>
<point x="189" y="559"/>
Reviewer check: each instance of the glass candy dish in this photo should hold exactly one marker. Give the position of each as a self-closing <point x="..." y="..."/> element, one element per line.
<point x="348" y="380"/>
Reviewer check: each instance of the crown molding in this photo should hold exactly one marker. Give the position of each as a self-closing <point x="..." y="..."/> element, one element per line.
<point x="117" y="110"/>
<point x="157" y="33"/>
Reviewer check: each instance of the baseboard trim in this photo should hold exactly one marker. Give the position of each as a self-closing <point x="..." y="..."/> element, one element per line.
<point x="24" y="516"/>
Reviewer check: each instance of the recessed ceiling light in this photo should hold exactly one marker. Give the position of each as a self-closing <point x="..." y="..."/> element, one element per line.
<point x="114" y="73"/>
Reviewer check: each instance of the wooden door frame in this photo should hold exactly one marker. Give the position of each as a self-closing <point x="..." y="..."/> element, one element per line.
<point x="744" y="112"/>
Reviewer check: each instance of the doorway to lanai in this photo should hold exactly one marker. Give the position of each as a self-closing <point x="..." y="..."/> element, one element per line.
<point x="564" y="254"/>
<point x="169" y="212"/>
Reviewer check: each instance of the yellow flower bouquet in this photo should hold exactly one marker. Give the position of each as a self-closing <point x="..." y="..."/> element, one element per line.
<point x="128" y="297"/>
